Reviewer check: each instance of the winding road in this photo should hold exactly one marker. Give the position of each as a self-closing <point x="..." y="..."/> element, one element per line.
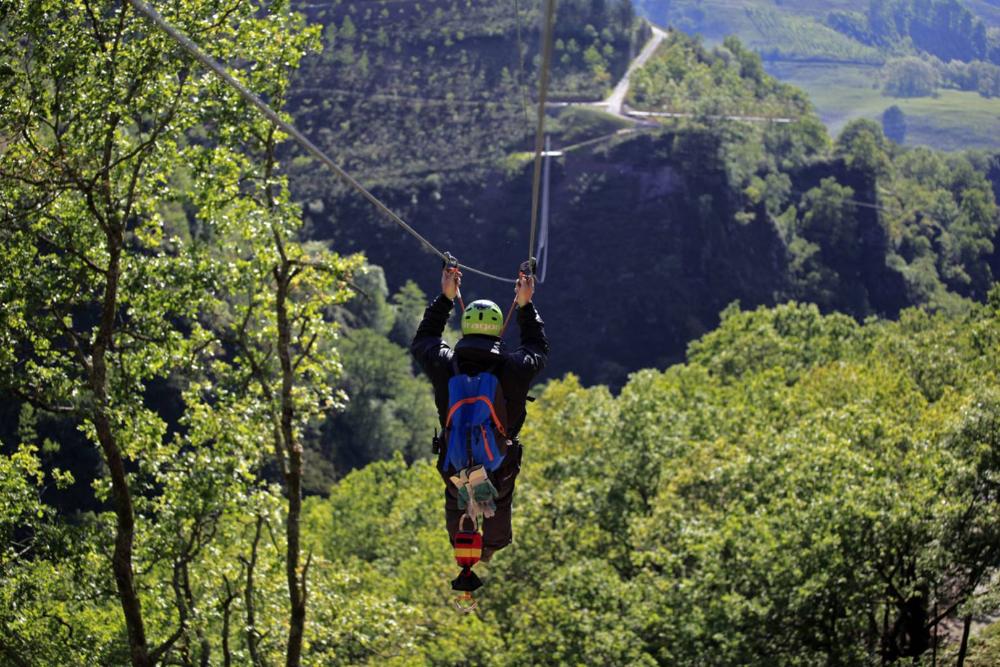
<point x="615" y="102"/>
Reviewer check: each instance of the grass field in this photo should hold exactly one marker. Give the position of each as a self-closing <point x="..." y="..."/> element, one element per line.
<point x="717" y="18"/>
<point x="792" y="30"/>
<point x="951" y="121"/>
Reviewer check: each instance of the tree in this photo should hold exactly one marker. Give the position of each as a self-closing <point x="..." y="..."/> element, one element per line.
<point x="408" y="303"/>
<point x="894" y="124"/>
<point x="98" y="296"/>
<point x="910" y="77"/>
<point x="390" y="410"/>
<point x="862" y="146"/>
<point x="282" y="296"/>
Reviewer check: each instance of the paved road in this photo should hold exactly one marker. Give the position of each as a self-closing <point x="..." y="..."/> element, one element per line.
<point x="615" y="101"/>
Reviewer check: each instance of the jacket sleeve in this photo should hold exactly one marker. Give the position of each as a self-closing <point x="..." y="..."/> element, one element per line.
<point x="530" y="357"/>
<point x="432" y="353"/>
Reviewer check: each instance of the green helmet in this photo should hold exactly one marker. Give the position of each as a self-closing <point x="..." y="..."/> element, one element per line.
<point x="482" y="317"/>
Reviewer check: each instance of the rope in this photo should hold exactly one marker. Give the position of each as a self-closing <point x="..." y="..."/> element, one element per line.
<point x="543" y="91"/>
<point x="220" y="71"/>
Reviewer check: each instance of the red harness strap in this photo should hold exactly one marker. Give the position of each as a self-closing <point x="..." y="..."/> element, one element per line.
<point x="474" y="399"/>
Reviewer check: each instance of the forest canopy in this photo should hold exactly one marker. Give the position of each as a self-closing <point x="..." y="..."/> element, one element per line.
<point x="214" y="446"/>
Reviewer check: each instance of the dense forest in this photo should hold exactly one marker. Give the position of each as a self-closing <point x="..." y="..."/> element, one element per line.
<point x="768" y="434"/>
<point x="714" y="210"/>
<point x="946" y="29"/>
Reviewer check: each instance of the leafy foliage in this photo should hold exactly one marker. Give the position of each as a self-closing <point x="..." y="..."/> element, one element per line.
<point x="910" y="77"/>
<point x="448" y="76"/>
<point x="686" y="77"/>
<point x="804" y="490"/>
<point x="944" y="28"/>
<point x="894" y="124"/>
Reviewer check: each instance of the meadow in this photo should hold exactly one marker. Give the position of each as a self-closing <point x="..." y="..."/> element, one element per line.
<point x="952" y="120"/>
<point x="840" y="75"/>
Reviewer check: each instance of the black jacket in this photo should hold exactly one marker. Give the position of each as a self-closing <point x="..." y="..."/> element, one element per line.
<point x="476" y="353"/>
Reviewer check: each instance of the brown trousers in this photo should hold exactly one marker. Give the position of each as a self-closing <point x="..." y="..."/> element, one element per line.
<point x="497" y="531"/>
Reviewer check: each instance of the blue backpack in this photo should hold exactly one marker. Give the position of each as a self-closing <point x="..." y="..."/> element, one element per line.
<point x="476" y="435"/>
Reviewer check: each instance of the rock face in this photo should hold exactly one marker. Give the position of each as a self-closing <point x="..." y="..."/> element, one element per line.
<point x="646" y="248"/>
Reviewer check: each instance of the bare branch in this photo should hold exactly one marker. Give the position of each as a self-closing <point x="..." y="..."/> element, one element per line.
<point x="36" y="401"/>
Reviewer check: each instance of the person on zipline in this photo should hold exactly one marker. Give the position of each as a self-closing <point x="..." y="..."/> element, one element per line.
<point x="481" y="351"/>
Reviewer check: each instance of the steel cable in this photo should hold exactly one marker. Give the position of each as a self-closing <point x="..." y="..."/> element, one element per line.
<point x="150" y="13"/>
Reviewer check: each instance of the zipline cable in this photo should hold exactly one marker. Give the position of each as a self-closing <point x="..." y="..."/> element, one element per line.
<point x="146" y="10"/>
<point x="520" y="63"/>
<point x="543" y="91"/>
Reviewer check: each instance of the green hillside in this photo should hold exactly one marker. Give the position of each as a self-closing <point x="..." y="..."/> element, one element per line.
<point x="403" y="91"/>
<point x="951" y="120"/>
<point x="843" y="61"/>
<point x="716" y="210"/>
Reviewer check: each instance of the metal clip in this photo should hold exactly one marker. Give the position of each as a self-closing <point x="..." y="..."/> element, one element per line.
<point x="528" y="267"/>
<point x="450" y="262"/>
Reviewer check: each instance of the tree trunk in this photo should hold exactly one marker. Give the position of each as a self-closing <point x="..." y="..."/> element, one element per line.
<point x="293" y="476"/>
<point x="963" y="649"/>
<point x="122" y="498"/>
<point x="248" y="597"/>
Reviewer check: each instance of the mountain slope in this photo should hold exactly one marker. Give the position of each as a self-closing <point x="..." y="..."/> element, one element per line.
<point x="838" y="51"/>
<point x="654" y="232"/>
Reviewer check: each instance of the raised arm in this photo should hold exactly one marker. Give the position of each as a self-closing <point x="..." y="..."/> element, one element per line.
<point x="534" y="349"/>
<point x="428" y="348"/>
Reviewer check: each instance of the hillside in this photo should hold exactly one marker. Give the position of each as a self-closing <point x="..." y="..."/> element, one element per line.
<point x="656" y="231"/>
<point x="841" y="54"/>
<point x="405" y="91"/>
